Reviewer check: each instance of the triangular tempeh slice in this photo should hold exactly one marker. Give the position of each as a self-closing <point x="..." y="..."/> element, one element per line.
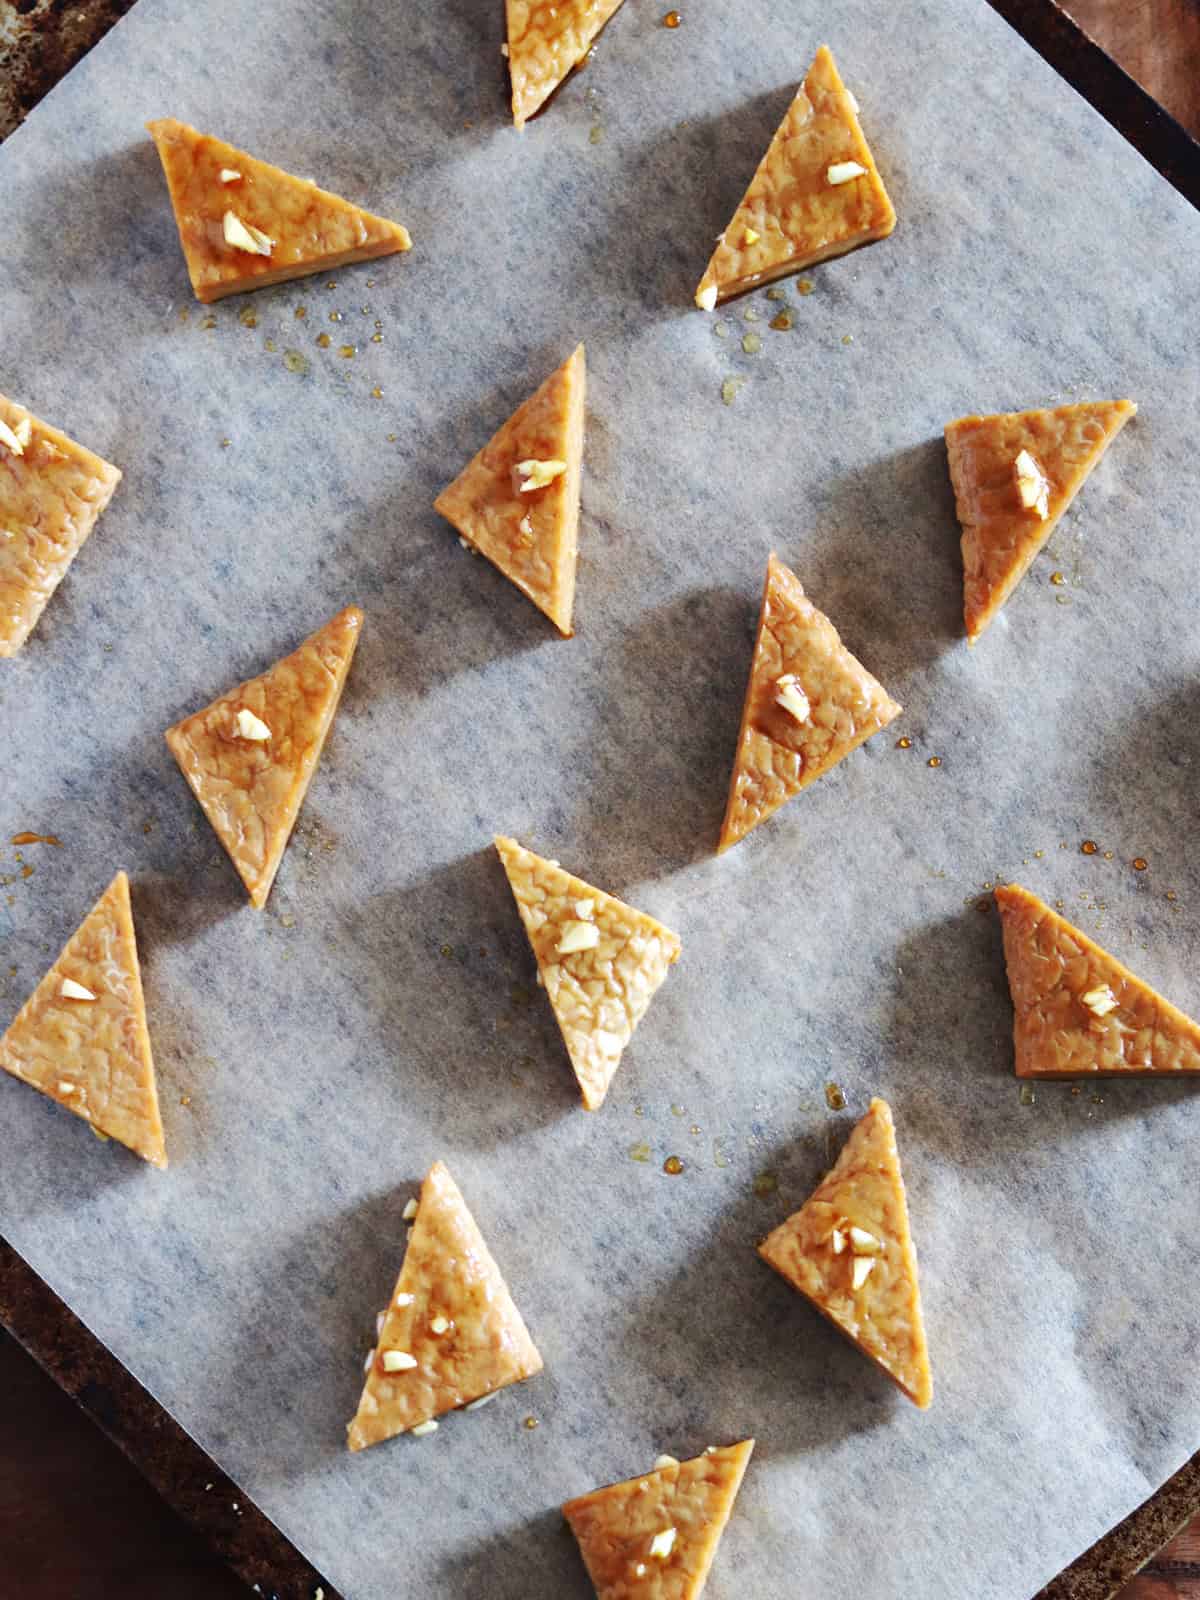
<point x="517" y="502"/>
<point x="657" y="1535"/>
<point x="809" y="703"/>
<point x="600" y="960"/>
<point x="547" y="39"/>
<point x="1014" y="474"/>
<point x="451" y="1334"/>
<point x="816" y="194"/>
<point x="51" y="492"/>
<point x="244" y="224"/>
<point x="251" y="754"/>
<point x="849" y="1250"/>
<point x="81" y="1037"/>
<point x="1077" y="1009"/>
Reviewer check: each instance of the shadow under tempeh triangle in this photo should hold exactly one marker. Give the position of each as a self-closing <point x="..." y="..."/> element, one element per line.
<point x="451" y="1334"/>
<point x="817" y="194"/>
<point x="1077" y="1010"/>
<point x="52" y="491"/>
<point x="1014" y="474"/>
<point x="601" y="961"/>
<point x="250" y="755"/>
<point x="809" y="703"/>
<point x="657" y="1535"/>
<point x="849" y="1250"/>
<point x="81" y="1037"/>
<point x="244" y="224"/>
<point x="547" y="40"/>
<point x="517" y="501"/>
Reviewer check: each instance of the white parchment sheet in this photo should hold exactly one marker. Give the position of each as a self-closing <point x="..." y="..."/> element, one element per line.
<point x="315" y="1058"/>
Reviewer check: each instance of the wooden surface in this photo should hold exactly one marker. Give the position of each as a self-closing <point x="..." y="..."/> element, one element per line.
<point x="77" y="1521"/>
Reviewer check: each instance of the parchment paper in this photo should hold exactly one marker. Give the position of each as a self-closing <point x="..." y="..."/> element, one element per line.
<point x="316" y="1058"/>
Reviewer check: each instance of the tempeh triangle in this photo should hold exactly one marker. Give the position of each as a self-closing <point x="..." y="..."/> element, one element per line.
<point x="1078" y="1011"/>
<point x="517" y="502"/>
<point x="1014" y="474"/>
<point x="244" y="224"/>
<point x="817" y="193"/>
<point x="657" y="1535"/>
<point x="850" y="1251"/>
<point x="451" y="1334"/>
<point x="251" y="754"/>
<point x="600" y="960"/>
<point x="809" y="703"/>
<point x="547" y="39"/>
<point x="81" y="1037"/>
<point x="52" y="491"/>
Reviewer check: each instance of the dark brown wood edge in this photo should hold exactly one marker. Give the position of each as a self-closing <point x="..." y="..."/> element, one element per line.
<point x="182" y="1472"/>
<point x="1109" y="89"/>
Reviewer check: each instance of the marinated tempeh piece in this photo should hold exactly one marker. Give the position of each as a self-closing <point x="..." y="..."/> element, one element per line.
<point x="655" y="1537"/>
<point x="547" y="39"/>
<point x="817" y="193"/>
<point x="52" y="491"/>
<point x="244" y="224"/>
<point x="250" y="756"/>
<point x="1014" y="474"/>
<point x="81" y="1037"/>
<point x="451" y="1334"/>
<point x="1077" y="1010"/>
<point x="809" y="703"/>
<point x="600" y="960"/>
<point x="517" y="502"/>
<point x="850" y="1251"/>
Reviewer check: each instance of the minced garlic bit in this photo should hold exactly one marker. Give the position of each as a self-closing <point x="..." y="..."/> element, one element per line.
<point x="243" y="236"/>
<point x="398" y="1361"/>
<point x="525" y="529"/>
<point x="229" y="175"/>
<point x="706" y="298"/>
<point x="666" y="1461"/>
<point x="864" y="1243"/>
<point x="640" y="1570"/>
<point x="24" y="432"/>
<point x="854" y="105"/>
<point x="66" y="1088"/>
<point x="751" y="236"/>
<point x="504" y="51"/>
<point x="584" y="909"/>
<point x="578" y="936"/>
<point x="368" y="1359"/>
<point x="75" y="991"/>
<point x="251" y="727"/>
<point x="532" y="474"/>
<point x="792" y="697"/>
<point x="838" y="1240"/>
<point x="844" y="171"/>
<point x="424" y="1429"/>
<point x="1100" y="1001"/>
<point x="439" y="1325"/>
<point x="861" y="1271"/>
<point x="410" y="1211"/>
<point x="484" y="1400"/>
<point x="404" y="1299"/>
<point x="663" y="1543"/>
<point x="1032" y="485"/>
<point x="10" y="440"/>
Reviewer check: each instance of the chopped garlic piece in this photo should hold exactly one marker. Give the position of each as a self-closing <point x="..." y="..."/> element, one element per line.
<point x="861" y="1271"/>
<point x="251" y="727"/>
<point x="24" y="432"/>
<point x="439" y="1325"/>
<point x="640" y="1570"/>
<point x="404" y="1299"/>
<point x="752" y="236"/>
<point x="66" y="1088"/>
<point x="424" y="1429"/>
<point x="578" y="936"/>
<point x="666" y="1461"/>
<point x="1100" y="1001"/>
<point x="792" y="697"/>
<point x="532" y="474"/>
<point x="10" y="440"/>
<point x="229" y="175"/>
<point x="504" y="51"/>
<point x="838" y="1240"/>
<point x="525" y="529"/>
<point x="75" y="991"/>
<point x="663" y="1543"/>
<point x="854" y="105"/>
<point x="1032" y="485"/>
<point x="242" y="236"/>
<point x="706" y="299"/>
<point x="864" y="1243"/>
<point x="409" y="1211"/>
<point x="484" y="1400"/>
<point x="398" y="1361"/>
<point x="379" y="1321"/>
<point x="367" y="1360"/>
<point x="844" y="171"/>
<point x="584" y="909"/>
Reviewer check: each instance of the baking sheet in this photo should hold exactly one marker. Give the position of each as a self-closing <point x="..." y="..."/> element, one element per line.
<point x="315" y="1058"/>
